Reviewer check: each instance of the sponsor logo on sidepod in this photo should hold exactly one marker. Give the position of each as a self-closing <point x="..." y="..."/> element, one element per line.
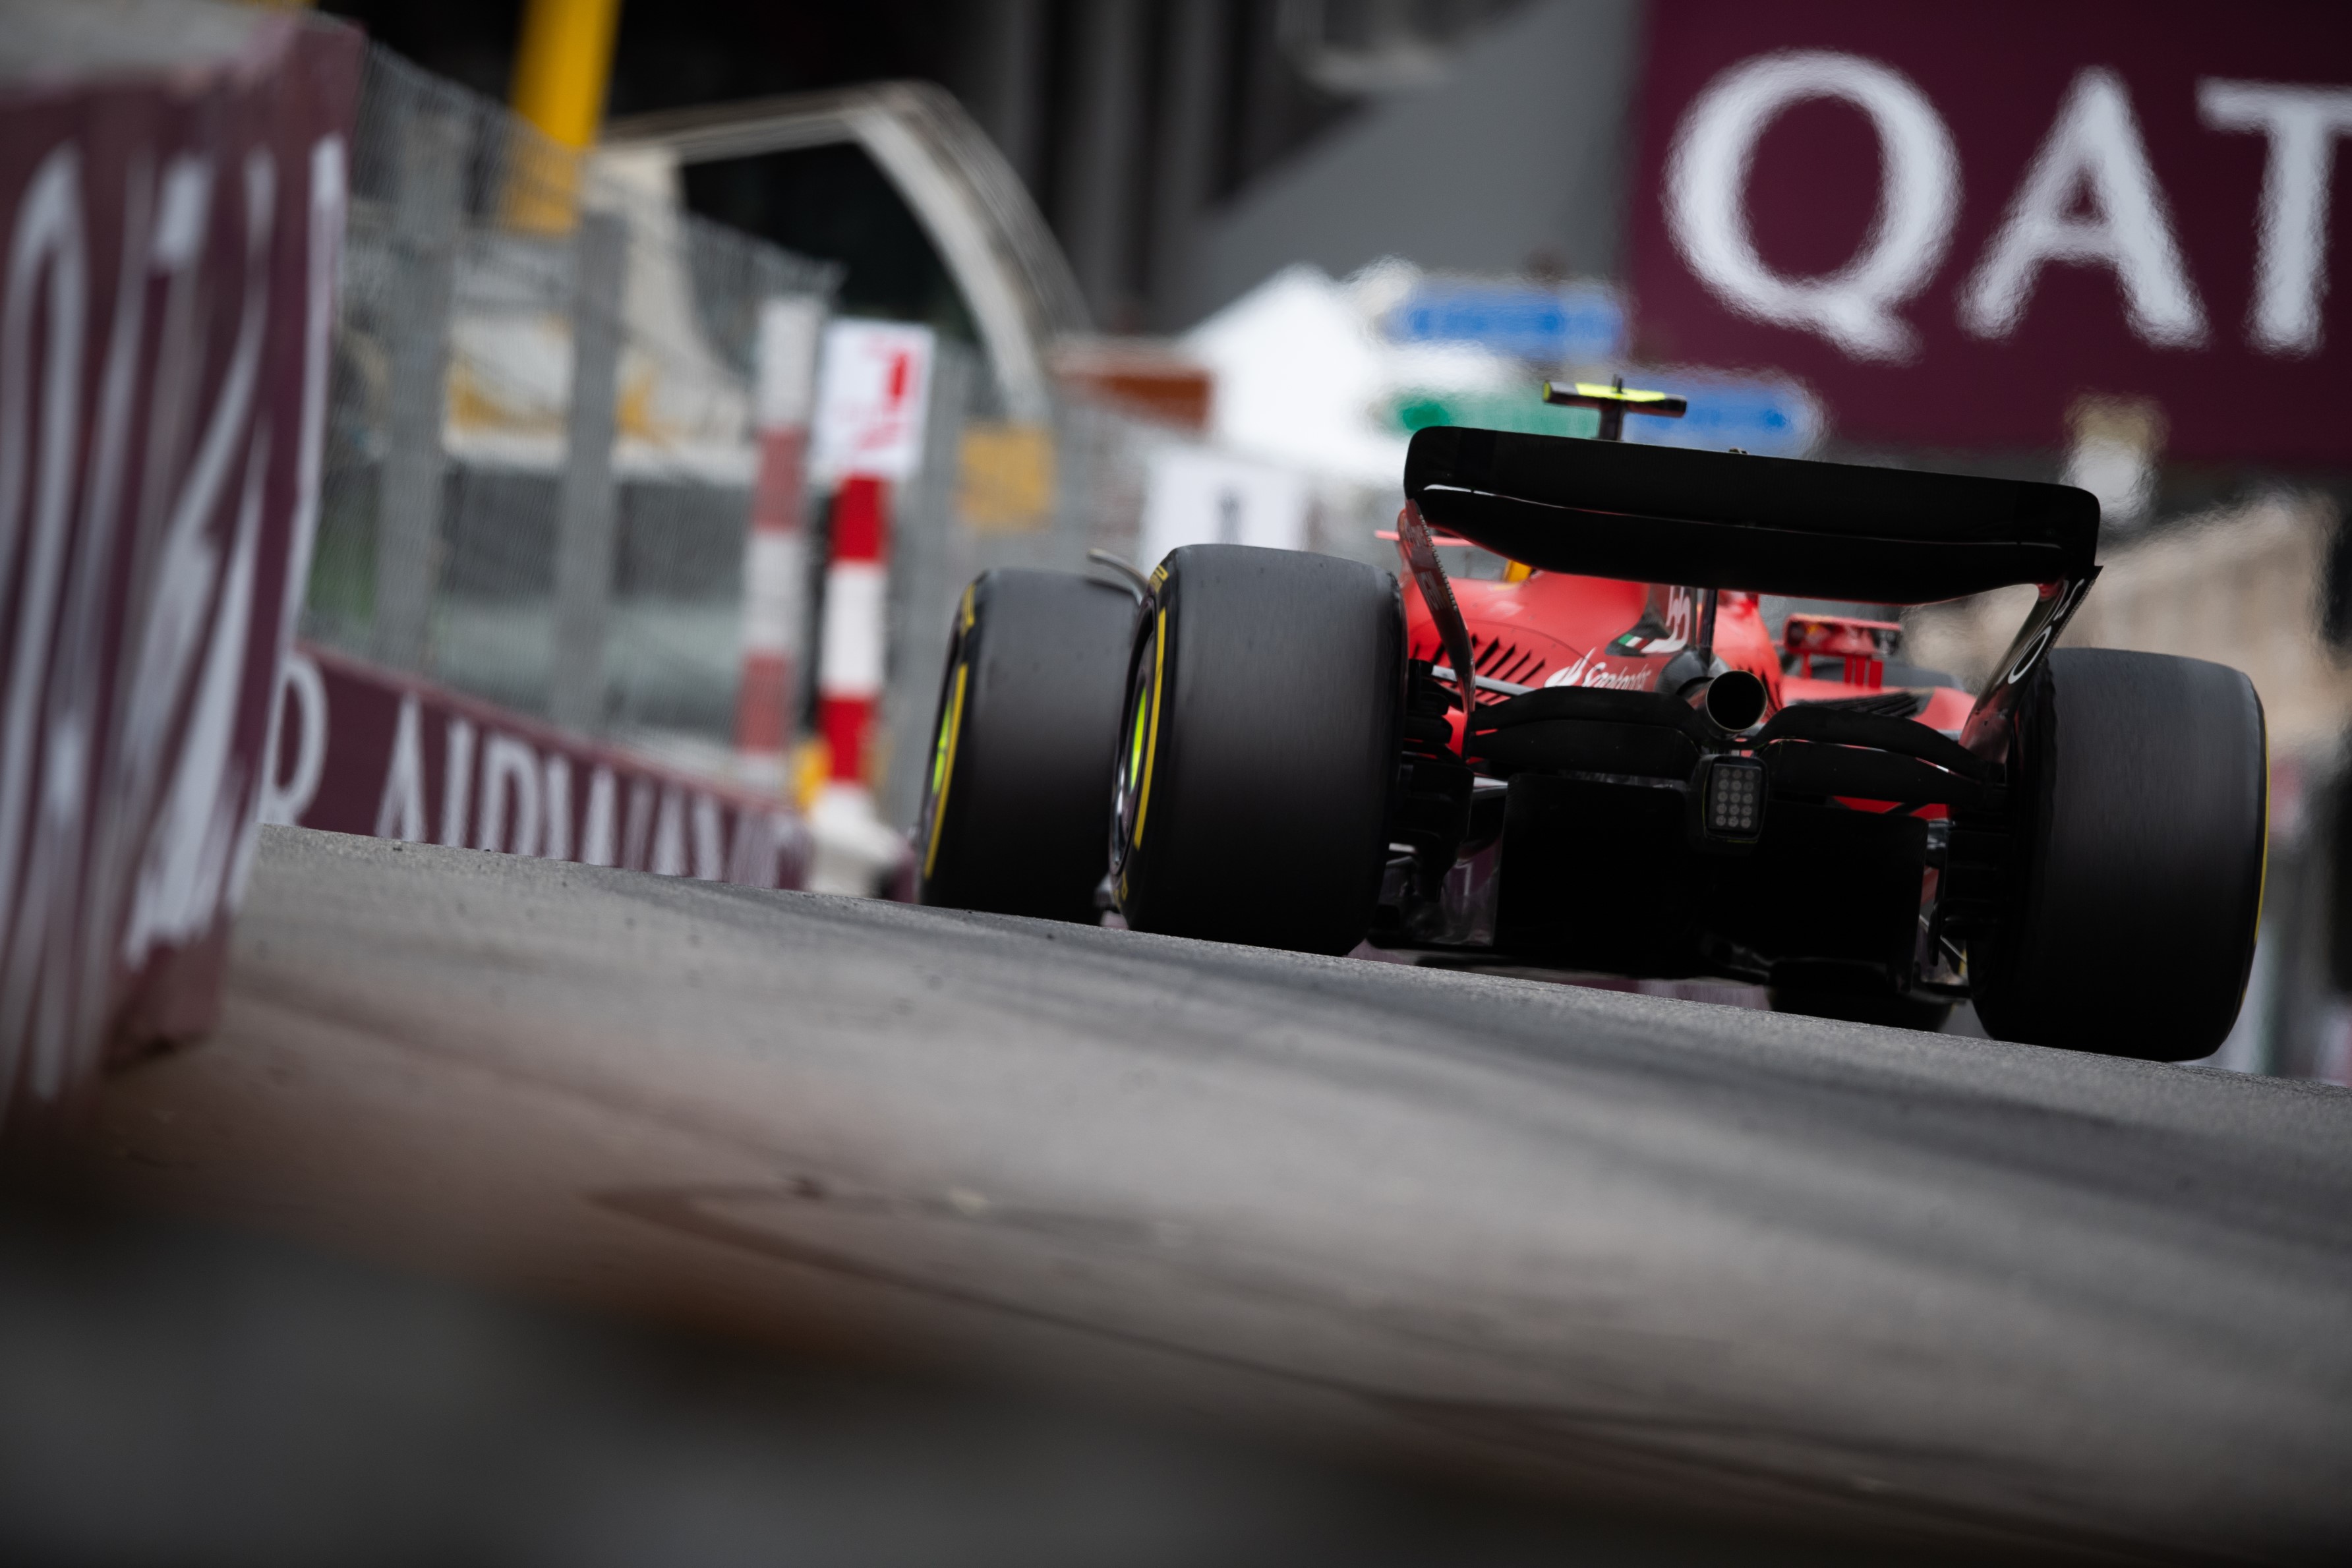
<point x="1588" y="671"/>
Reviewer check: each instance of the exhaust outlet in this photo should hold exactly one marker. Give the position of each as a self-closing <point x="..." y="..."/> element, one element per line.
<point x="1734" y="701"/>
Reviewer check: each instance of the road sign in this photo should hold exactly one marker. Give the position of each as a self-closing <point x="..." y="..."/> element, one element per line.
<point x="870" y="398"/>
<point x="1574" y="324"/>
<point x="1201" y="497"/>
<point x="1772" y="416"/>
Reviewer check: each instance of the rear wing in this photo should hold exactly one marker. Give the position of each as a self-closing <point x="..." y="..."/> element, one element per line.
<point x="1774" y="525"/>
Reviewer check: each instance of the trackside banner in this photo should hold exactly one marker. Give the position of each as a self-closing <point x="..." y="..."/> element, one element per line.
<point x="364" y="750"/>
<point x="1956" y="222"/>
<point x="172" y="238"/>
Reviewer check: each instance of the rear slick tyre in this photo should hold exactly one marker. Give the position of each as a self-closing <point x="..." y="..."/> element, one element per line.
<point x="1261" y="746"/>
<point x="2143" y="801"/>
<point x="1016" y="812"/>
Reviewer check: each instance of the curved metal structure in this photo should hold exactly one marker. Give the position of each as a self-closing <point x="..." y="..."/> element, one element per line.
<point x="1014" y="275"/>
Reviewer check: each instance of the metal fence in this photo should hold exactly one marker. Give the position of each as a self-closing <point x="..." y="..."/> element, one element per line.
<point x="542" y="454"/>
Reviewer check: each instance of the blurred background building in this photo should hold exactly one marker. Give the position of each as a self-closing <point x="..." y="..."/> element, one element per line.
<point x="1182" y="149"/>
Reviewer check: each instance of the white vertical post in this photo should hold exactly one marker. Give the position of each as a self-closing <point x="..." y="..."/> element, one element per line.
<point x="586" y="529"/>
<point x="775" y="547"/>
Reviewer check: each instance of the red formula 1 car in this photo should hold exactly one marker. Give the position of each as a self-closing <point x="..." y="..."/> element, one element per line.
<point x="1602" y="762"/>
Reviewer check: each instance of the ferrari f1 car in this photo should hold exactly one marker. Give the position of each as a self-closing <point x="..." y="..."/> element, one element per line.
<point x="1603" y="763"/>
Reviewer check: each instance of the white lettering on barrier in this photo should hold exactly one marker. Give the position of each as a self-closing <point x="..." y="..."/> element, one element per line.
<point x="400" y="812"/>
<point x="1707" y="183"/>
<point x="299" y="684"/>
<point x="456" y="773"/>
<point x="510" y="770"/>
<point x="62" y="904"/>
<point x="558" y="782"/>
<point x="2093" y="157"/>
<point x="193" y="848"/>
<point x="2291" y="250"/>
<point x="669" y="836"/>
<point x="187" y="566"/>
<point x="2093" y="163"/>
<point x="68" y="894"/>
<point x="46" y="247"/>
<point x="710" y="840"/>
<point x="519" y="800"/>
<point x="597" y="842"/>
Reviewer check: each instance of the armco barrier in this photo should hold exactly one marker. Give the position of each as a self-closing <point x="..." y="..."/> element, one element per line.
<point x="362" y="749"/>
<point x="172" y="200"/>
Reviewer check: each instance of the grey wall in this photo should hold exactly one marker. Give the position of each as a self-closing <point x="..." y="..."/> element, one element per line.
<point x="1516" y="158"/>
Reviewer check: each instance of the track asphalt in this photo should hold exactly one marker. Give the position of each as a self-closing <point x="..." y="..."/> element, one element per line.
<point x="1657" y="1254"/>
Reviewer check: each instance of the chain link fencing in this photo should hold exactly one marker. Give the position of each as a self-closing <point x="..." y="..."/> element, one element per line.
<point x="540" y="452"/>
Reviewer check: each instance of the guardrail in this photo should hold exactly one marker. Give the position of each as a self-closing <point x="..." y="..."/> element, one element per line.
<point x="362" y="749"/>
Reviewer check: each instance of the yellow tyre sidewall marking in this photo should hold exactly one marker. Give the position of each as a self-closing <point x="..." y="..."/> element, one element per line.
<point x="1151" y="739"/>
<point x="943" y="765"/>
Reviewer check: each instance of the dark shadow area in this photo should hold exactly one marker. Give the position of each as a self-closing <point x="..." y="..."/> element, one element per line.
<point x="684" y="51"/>
<point x="180" y="1395"/>
<point x="833" y="204"/>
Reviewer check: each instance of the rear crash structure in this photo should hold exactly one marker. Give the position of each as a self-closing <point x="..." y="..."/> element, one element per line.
<point x="1305" y="753"/>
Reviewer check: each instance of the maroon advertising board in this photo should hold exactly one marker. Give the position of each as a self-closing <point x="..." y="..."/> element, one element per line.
<point x="172" y="241"/>
<point x="1954" y="221"/>
<point x="364" y="750"/>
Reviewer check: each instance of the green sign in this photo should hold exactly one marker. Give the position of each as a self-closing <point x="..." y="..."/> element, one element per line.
<point x="1522" y="411"/>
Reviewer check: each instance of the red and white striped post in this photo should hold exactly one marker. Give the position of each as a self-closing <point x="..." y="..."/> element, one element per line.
<point x="852" y="850"/>
<point x="868" y="435"/>
<point x="775" y="550"/>
<point x="849" y="669"/>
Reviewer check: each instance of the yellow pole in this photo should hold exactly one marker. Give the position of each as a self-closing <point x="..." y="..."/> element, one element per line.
<point x="563" y="62"/>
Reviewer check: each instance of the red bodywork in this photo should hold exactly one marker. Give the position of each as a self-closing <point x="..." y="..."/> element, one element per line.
<point x="1555" y="628"/>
